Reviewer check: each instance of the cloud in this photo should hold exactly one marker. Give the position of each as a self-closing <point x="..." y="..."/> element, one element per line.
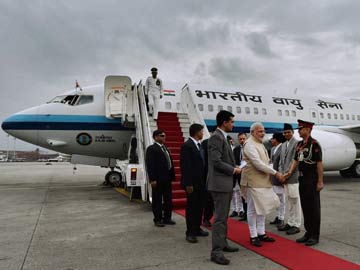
<point x="47" y="45"/>
<point x="259" y="44"/>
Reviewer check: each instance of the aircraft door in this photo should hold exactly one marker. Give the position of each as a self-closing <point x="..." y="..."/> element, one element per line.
<point x="117" y="89"/>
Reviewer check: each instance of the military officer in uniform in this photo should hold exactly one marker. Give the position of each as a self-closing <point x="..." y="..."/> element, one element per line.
<point x="154" y="90"/>
<point x="308" y="158"/>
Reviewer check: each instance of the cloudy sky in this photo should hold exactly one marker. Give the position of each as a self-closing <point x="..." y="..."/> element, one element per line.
<point x="256" y="45"/>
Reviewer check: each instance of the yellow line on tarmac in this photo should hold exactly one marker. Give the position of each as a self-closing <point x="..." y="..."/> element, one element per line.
<point x="127" y="194"/>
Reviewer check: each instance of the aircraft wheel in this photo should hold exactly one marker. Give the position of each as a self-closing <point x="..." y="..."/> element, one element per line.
<point x="356" y="169"/>
<point x="115" y="178"/>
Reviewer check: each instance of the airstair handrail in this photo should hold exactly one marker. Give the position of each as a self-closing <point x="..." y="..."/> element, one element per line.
<point x="146" y="133"/>
<point x="189" y="107"/>
<point x="139" y="129"/>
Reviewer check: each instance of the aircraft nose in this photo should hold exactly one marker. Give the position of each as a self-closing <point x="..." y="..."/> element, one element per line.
<point x="7" y="124"/>
<point x="20" y="124"/>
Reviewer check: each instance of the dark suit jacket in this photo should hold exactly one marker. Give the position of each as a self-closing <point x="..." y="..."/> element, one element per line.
<point x="236" y="151"/>
<point x="157" y="166"/>
<point x="221" y="163"/>
<point x="204" y="145"/>
<point x="192" y="166"/>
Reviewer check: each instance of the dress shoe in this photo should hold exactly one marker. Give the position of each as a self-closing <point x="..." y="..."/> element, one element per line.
<point x="311" y="242"/>
<point x="191" y="239"/>
<point x="280" y="223"/>
<point x="202" y="233"/>
<point x="242" y="216"/>
<point x="284" y="228"/>
<point x="266" y="238"/>
<point x="207" y="223"/>
<point x="293" y="230"/>
<point x="275" y="221"/>
<point x="169" y="222"/>
<point x="230" y="249"/>
<point x="220" y="260"/>
<point x="303" y="239"/>
<point x="159" y="224"/>
<point x="233" y="214"/>
<point x="255" y="241"/>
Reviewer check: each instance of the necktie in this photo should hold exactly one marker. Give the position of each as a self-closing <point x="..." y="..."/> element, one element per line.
<point x="166" y="156"/>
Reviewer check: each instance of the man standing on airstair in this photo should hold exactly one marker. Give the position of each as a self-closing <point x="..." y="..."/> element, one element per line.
<point x="154" y="89"/>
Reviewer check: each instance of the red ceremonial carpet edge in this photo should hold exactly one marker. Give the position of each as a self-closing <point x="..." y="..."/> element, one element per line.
<point x="285" y="252"/>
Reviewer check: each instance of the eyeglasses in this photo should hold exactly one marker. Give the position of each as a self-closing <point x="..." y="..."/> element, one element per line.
<point x="162" y="135"/>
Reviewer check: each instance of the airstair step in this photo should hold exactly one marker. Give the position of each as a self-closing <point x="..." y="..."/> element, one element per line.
<point x="176" y="185"/>
<point x="178" y="194"/>
<point x="174" y="149"/>
<point x="179" y="203"/>
<point x="174" y="143"/>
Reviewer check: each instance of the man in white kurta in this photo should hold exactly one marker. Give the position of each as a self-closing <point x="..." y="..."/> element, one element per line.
<point x="154" y="89"/>
<point x="256" y="185"/>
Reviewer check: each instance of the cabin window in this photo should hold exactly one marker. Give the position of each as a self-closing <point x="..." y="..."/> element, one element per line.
<point x="247" y="110"/>
<point x="85" y="100"/>
<point x="210" y="108"/>
<point x="313" y="114"/>
<point x="264" y="112"/>
<point x="238" y="109"/>
<point x="168" y="105"/>
<point x="178" y="106"/>
<point x="256" y="111"/>
<point x="335" y="116"/>
<point x="201" y="107"/>
<point x="279" y="112"/>
<point x="347" y="117"/>
<point x="287" y="113"/>
<point x="358" y="117"/>
<point x="329" y="115"/>
<point x="229" y="108"/>
<point x="353" y="117"/>
<point x="220" y="108"/>
<point x="341" y="116"/>
<point x="322" y="115"/>
<point x="293" y="113"/>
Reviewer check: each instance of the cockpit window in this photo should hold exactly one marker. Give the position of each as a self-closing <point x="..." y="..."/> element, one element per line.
<point x="85" y="100"/>
<point x="73" y="100"/>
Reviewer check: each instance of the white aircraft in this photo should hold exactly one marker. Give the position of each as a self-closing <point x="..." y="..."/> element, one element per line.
<point x="96" y="124"/>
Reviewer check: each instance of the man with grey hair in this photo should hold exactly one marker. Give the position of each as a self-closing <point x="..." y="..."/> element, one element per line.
<point x="256" y="184"/>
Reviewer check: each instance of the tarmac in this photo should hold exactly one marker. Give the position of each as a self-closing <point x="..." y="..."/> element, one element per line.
<point x="53" y="218"/>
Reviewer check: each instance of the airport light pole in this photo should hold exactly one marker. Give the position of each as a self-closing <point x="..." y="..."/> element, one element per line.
<point x="14" y="149"/>
<point x="7" y="148"/>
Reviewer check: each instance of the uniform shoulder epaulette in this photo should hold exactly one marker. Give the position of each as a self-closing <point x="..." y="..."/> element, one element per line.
<point x="314" y="141"/>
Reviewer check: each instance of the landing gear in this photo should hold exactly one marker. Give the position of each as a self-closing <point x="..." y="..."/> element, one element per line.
<point x="356" y="169"/>
<point x="353" y="171"/>
<point x="113" y="178"/>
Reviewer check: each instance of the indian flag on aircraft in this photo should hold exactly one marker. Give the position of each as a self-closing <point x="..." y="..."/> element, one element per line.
<point x="169" y="93"/>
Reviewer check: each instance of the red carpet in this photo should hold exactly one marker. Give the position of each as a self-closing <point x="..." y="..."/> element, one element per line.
<point x="286" y="252"/>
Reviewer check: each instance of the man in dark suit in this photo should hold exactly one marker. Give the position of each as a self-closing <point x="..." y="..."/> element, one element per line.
<point x="238" y="158"/>
<point x="160" y="169"/>
<point x="220" y="183"/>
<point x="193" y="181"/>
<point x="208" y="211"/>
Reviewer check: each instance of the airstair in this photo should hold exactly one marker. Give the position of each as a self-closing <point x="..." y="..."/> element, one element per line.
<point x="126" y="101"/>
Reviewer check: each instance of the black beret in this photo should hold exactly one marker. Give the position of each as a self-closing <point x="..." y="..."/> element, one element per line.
<point x="288" y="126"/>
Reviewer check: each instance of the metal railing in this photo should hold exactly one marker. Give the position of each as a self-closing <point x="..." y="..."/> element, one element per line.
<point x="146" y="136"/>
<point x="189" y="106"/>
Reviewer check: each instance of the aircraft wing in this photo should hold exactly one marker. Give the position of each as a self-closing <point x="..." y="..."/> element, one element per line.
<point x="351" y="128"/>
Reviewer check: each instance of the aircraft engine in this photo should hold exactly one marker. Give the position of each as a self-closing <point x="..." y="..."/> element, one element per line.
<point x="339" y="151"/>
